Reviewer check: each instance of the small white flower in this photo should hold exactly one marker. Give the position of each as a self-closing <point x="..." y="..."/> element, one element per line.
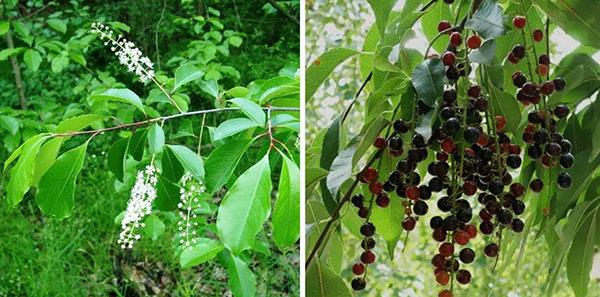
<point x="127" y="53"/>
<point x="189" y="203"/>
<point x="138" y="207"/>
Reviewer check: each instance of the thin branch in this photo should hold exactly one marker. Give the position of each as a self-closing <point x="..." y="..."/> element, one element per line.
<point x="284" y="11"/>
<point x="364" y="84"/>
<point x="166" y="118"/>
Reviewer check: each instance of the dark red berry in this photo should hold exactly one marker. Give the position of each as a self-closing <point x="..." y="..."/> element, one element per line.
<point x="474" y="42"/>
<point x="438" y="260"/>
<point x="382" y="200"/>
<point x="439" y="234"/>
<point x="544" y="59"/>
<point x="376" y="188"/>
<point x="519" y="22"/>
<point x="358" y="268"/>
<point x="474" y="91"/>
<point x="519" y="79"/>
<point x="446" y="249"/>
<point x="542" y="70"/>
<point x="491" y="250"/>
<point x="379" y="142"/>
<point x="367" y="257"/>
<point x="512" y="58"/>
<point x="461" y="237"/>
<point x="561" y="111"/>
<point x="408" y="224"/>
<point x="455" y="39"/>
<point x="463" y="276"/>
<point x="538" y="35"/>
<point x="369" y="175"/>
<point x="448" y="58"/>
<point x="442" y="278"/>
<point x="443" y="26"/>
<point x="445" y="293"/>
<point x="413" y="192"/>
<point x="536" y="185"/>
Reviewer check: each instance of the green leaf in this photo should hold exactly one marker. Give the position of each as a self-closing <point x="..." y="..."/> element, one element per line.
<point x="33" y="59"/>
<point x="382" y="9"/>
<point x="171" y="167"/>
<point x="329" y="151"/>
<point x="388" y="221"/>
<point x="245" y="207"/>
<point x="580" y="257"/>
<point x="279" y="92"/>
<point x="382" y="64"/>
<point x="238" y="92"/>
<point x="78" y="123"/>
<point x="222" y="162"/>
<point x="340" y="170"/>
<point x="185" y="74"/>
<point x="116" y="158"/>
<point x="11" y="124"/>
<point x="154" y="227"/>
<point x="368" y="136"/>
<point x="581" y="81"/>
<point x="235" y="41"/>
<point x="211" y="87"/>
<point x="167" y="194"/>
<point x="21" y="175"/>
<point x="190" y="160"/>
<point x="428" y="80"/>
<point x="251" y="109"/>
<point x="204" y="250"/>
<point x="488" y="20"/>
<point x="425" y="124"/>
<point x="45" y="158"/>
<point x="232" y="127"/>
<point x="56" y="192"/>
<point x="506" y="105"/>
<point x="120" y="95"/>
<point x="136" y="144"/>
<point x="4" y="27"/>
<point x="242" y="281"/>
<point x="313" y="176"/>
<point x="58" y="25"/>
<point x="7" y="53"/>
<point x="286" y="213"/>
<point x="578" y="17"/>
<point x="320" y="69"/>
<point x="156" y="139"/>
<point x="59" y="63"/>
<point x="321" y="281"/>
<point x="485" y="54"/>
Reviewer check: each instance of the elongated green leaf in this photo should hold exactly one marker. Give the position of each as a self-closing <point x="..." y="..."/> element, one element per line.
<point x="171" y="167"/>
<point x="388" y="221"/>
<point x="321" y="281"/>
<point x="382" y="9"/>
<point x="329" y="151"/>
<point x="382" y="64"/>
<point x="341" y="169"/>
<point x="156" y="139"/>
<point x="286" y="214"/>
<point x="313" y="176"/>
<point x="488" y="20"/>
<point x="245" y="207"/>
<point x="120" y="95"/>
<point x="577" y="17"/>
<point x="579" y="259"/>
<point x="58" y="25"/>
<point x="582" y="82"/>
<point x="251" y="109"/>
<point x="78" y="123"/>
<point x="45" y="158"/>
<point x="116" y="158"/>
<point x="11" y="124"/>
<point x="189" y="160"/>
<point x="204" y="250"/>
<point x="154" y="227"/>
<point x="167" y="194"/>
<point x="33" y="59"/>
<point x="21" y="175"/>
<point x="506" y="105"/>
<point x="222" y="162"/>
<point x="279" y="92"/>
<point x="320" y="69"/>
<point x="185" y="74"/>
<point x="211" y="87"/>
<point x="4" y="27"/>
<point x="232" y="127"/>
<point x="56" y="192"/>
<point x="242" y="281"/>
<point x="485" y="54"/>
<point x="428" y="80"/>
<point x="137" y="141"/>
<point x="368" y="136"/>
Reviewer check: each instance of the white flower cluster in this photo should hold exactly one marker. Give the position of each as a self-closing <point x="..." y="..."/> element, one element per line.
<point x="128" y="54"/>
<point x="138" y="207"/>
<point x="189" y="203"/>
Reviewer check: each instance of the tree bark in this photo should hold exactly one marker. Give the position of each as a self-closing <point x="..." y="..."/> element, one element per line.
<point x="16" y="71"/>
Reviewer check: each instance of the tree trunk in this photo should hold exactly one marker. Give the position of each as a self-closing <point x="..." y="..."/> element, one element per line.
<point x="17" y="72"/>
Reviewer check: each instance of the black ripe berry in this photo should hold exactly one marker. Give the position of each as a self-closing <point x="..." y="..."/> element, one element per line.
<point x="467" y="255"/>
<point x="368" y="243"/>
<point x="358" y="284"/>
<point x="513" y="161"/>
<point x="559" y="84"/>
<point x="567" y="161"/>
<point x="395" y="143"/>
<point x="491" y="250"/>
<point x="451" y="126"/>
<point x="420" y="208"/>
<point x="517" y="225"/>
<point x="401" y="126"/>
<point x="471" y="134"/>
<point x="367" y="229"/>
<point x="357" y="200"/>
<point x="536" y="185"/>
<point x="519" y="79"/>
<point x="449" y="96"/>
<point x="518" y="51"/>
<point x="561" y="111"/>
<point x="436" y="222"/>
<point x="564" y="180"/>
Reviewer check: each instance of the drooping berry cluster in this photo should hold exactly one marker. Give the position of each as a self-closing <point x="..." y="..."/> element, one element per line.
<point x="474" y="158"/>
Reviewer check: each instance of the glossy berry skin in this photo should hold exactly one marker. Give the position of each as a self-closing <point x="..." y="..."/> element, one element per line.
<point x="395" y="143"/>
<point x="567" y="161"/>
<point x="367" y="257"/>
<point x="445" y="293"/>
<point x="376" y="188"/>
<point x="408" y="224"/>
<point x="474" y="91"/>
<point x="519" y="22"/>
<point x="518" y="51"/>
<point x="382" y="200"/>
<point x="443" y="26"/>
<point x="538" y="35"/>
<point x="463" y="276"/>
<point x="455" y="39"/>
<point x="491" y="250"/>
<point x="367" y="230"/>
<point x="358" y="268"/>
<point x="368" y="243"/>
<point x="559" y="84"/>
<point x="420" y="208"/>
<point x="536" y="185"/>
<point x="561" y="111"/>
<point x="517" y="225"/>
<point x="466" y="255"/>
<point x="461" y="237"/>
<point x="542" y="70"/>
<point x="547" y="88"/>
<point x="442" y="278"/>
<point x="369" y="175"/>
<point x="413" y="192"/>
<point x="446" y="249"/>
<point x="519" y="79"/>
<point x="357" y="200"/>
<point x="401" y="126"/>
<point x="544" y="59"/>
<point x="379" y="142"/>
<point x="448" y="58"/>
<point x="358" y="284"/>
<point x="564" y="180"/>
<point x="474" y="42"/>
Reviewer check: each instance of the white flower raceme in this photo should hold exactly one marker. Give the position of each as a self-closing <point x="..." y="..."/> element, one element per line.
<point x="138" y="207"/>
<point x="128" y="54"/>
<point x="188" y="205"/>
